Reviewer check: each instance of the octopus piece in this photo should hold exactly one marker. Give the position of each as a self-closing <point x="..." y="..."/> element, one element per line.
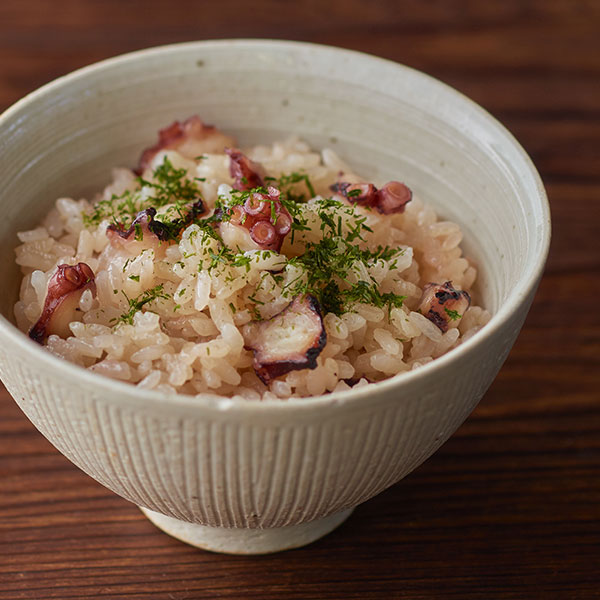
<point x="62" y="301"/>
<point x="444" y="305"/>
<point x="246" y="174"/>
<point x="290" y="341"/>
<point x="191" y="138"/>
<point x="262" y="222"/>
<point x="145" y="233"/>
<point x="391" y="198"/>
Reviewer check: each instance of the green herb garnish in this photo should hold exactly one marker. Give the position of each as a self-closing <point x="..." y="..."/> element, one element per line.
<point x="453" y="314"/>
<point x="169" y="186"/>
<point x="136" y="304"/>
<point x="286" y="182"/>
<point x="327" y="264"/>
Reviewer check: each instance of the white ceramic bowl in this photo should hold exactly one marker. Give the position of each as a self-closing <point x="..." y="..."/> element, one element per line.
<point x="259" y="477"/>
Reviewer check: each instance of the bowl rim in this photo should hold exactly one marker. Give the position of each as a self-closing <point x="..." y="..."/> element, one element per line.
<point x="128" y="392"/>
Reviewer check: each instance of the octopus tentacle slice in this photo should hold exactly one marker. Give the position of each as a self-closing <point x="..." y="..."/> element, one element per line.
<point x="261" y="222"/>
<point x="290" y="341"/>
<point x="444" y="305"/>
<point x="62" y="301"/>
<point x="191" y="138"/>
<point x="246" y="174"/>
<point x="391" y="198"/>
<point x="143" y="234"/>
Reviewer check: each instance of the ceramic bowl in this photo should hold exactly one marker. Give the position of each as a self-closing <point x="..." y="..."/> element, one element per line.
<point x="265" y="476"/>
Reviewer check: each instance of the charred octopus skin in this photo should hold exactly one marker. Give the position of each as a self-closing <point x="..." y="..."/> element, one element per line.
<point x="246" y="174"/>
<point x="263" y="217"/>
<point x="144" y="233"/>
<point x="191" y="138"/>
<point x="62" y="299"/>
<point x="290" y="341"/>
<point x="444" y="305"/>
<point x="147" y="233"/>
<point x="391" y="198"/>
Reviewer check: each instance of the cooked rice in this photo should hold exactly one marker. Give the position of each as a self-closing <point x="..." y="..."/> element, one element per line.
<point x="191" y="342"/>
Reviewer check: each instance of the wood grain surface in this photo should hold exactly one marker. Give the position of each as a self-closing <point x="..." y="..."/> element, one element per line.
<point x="510" y="506"/>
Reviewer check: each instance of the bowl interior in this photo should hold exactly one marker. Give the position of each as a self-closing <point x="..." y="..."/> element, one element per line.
<point x="388" y="121"/>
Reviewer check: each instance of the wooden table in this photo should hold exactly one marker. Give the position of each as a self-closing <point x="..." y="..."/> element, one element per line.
<point x="510" y="506"/>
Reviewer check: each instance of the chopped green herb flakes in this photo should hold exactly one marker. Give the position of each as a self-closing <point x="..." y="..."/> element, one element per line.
<point x="334" y="267"/>
<point x="169" y="186"/>
<point x="453" y="314"/>
<point x="136" y="304"/>
<point x="329" y="264"/>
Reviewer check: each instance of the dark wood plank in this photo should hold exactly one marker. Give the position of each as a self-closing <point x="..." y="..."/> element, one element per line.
<point x="510" y="506"/>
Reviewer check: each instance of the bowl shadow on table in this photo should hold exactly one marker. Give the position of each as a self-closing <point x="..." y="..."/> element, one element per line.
<point x="468" y="521"/>
<point x="479" y="519"/>
<point x="412" y="540"/>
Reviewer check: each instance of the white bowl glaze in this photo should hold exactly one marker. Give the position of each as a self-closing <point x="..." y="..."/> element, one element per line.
<point x="287" y="468"/>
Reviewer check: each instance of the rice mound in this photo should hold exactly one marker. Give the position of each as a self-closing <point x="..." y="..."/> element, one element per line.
<point x="190" y="341"/>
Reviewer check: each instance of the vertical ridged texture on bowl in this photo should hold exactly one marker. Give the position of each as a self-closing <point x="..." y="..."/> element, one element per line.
<point x="272" y="464"/>
<point x="252" y="466"/>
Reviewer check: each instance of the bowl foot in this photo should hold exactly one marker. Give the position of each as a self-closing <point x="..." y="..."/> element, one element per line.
<point x="246" y="541"/>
